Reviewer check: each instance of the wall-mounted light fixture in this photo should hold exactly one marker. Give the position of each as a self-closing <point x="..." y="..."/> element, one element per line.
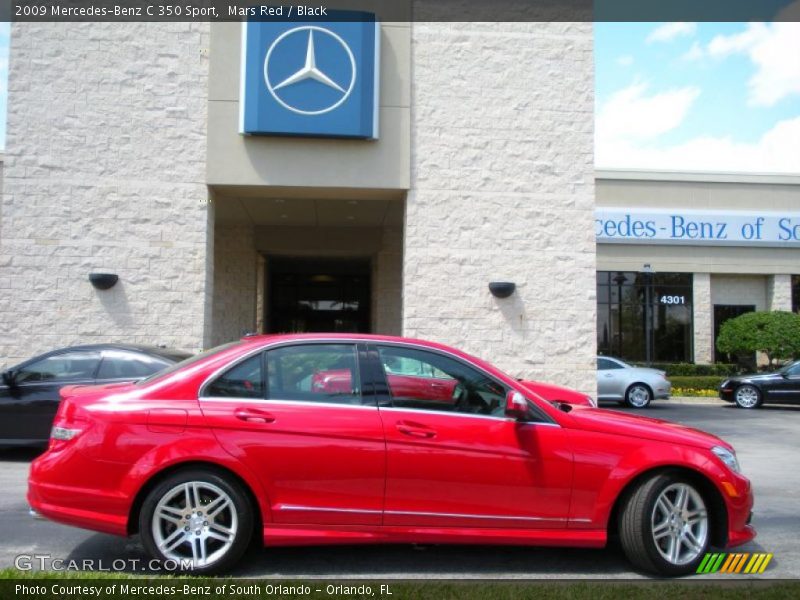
<point x="502" y="289"/>
<point x="103" y="281"/>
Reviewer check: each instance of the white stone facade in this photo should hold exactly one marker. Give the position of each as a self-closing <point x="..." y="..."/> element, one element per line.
<point x="502" y="188"/>
<point x="779" y="292"/>
<point x="104" y="171"/>
<point x="235" y="277"/>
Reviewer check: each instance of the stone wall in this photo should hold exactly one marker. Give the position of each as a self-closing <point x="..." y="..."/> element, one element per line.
<point x="104" y="171"/>
<point x="235" y="276"/>
<point x="502" y="188"/>
<point x="387" y="273"/>
<point x="703" y="318"/>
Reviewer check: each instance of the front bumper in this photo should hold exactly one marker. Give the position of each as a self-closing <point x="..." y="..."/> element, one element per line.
<point x="738" y="495"/>
<point x="662" y="392"/>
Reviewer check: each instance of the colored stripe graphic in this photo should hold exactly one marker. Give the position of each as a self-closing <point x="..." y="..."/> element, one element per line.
<point x="734" y="563"/>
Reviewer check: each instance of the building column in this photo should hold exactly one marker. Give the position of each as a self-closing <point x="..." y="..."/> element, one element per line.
<point x="779" y="292"/>
<point x="703" y="319"/>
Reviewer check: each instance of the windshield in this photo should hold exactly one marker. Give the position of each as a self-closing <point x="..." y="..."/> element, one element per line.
<point x="185" y="363"/>
<point x="792" y="366"/>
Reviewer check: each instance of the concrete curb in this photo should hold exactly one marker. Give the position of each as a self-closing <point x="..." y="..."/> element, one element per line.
<point x="695" y="400"/>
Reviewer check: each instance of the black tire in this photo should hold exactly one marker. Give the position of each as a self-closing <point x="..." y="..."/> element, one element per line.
<point x="638" y="395"/>
<point x="748" y="397"/>
<point x="234" y="521"/>
<point x="636" y="529"/>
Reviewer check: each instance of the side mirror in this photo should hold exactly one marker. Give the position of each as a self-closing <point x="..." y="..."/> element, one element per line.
<point x="516" y="405"/>
<point x="9" y="377"/>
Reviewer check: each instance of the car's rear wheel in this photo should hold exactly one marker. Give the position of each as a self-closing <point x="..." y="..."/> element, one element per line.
<point x="664" y="525"/>
<point x="198" y="520"/>
<point x="747" y="396"/>
<point x="638" y="396"/>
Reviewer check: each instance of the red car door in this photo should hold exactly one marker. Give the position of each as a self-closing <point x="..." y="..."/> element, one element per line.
<point x="465" y="464"/>
<point x="320" y="456"/>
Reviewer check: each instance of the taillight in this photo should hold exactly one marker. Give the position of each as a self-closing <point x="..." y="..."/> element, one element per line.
<point x="63" y="433"/>
<point x="69" y="423"/>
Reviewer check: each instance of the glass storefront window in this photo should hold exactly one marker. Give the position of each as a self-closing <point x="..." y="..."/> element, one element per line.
<point x="622" y="315"/>
<point x="796" y="293"/>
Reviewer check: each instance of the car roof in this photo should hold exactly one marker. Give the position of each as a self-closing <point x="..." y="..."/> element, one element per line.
<point x="166" y="353"/>
<point x="345" y="337"/>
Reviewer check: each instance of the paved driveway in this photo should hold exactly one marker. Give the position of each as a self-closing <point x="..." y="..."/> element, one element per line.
<point x="767" y="442"/>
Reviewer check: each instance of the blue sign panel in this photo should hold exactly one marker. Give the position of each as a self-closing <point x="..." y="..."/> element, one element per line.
<point x="311" y="78"/>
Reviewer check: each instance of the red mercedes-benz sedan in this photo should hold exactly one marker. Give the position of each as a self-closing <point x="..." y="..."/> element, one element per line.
<point x="249" y="439"/>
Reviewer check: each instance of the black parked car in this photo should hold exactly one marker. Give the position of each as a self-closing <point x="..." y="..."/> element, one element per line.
<point x="29" y="391"/>
<point x="751" y="391"/>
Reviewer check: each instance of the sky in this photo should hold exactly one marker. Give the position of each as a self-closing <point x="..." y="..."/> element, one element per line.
<point x="678" y="96"/>
<point x="698" y="96"/>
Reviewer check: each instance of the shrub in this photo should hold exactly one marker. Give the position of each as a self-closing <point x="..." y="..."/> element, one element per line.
<point x="695" y="393"/>
<point x="682" y="369"/>
<point x="775" y="333"/>
<point x="696" y="382"/>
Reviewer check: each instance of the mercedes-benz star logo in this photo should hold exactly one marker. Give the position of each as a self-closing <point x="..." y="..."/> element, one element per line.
<point x="310" y="71"/>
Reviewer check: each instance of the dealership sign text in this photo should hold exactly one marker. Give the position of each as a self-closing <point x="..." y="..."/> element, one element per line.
<point x="729" y="228"/>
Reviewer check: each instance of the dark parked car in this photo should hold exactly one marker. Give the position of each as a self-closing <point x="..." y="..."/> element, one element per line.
<point x="29" y="391"/>
<point x="751" y="391"/>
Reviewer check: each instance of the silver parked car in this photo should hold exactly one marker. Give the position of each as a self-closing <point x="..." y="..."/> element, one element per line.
<point x="635" y="386"/>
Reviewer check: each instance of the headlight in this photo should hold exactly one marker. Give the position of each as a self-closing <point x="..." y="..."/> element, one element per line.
<point x="728" y="457"/>
<point x="725" y="383"/>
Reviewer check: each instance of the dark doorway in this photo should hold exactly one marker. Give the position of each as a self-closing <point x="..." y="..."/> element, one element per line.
<point x="307" y="295"/>
<point x="722" y="313"/>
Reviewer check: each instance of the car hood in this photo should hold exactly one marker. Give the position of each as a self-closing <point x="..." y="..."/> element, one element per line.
<point x="617" y="423"/>
<point x="559" y="393"/>
<point x="647" y="371"/>
<point x="757" y="377"/>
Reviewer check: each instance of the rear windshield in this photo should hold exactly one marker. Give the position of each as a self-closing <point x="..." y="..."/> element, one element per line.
<point x="185" y="363"/>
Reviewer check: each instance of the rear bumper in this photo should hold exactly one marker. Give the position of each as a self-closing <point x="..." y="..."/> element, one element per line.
<point x="52" y="497"/>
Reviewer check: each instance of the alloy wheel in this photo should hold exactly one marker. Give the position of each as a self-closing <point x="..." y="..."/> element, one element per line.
<point x="196" y="521"/>
<point x="747" y="396"/>
<point x="638" y="396"/>
<point x="679" y="524"/>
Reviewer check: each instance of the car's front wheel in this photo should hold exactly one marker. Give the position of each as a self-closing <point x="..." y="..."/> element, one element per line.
<point x="747" y="396"/>
<point x="197" y="520"/>
<point x="664" y="526"/>
<point x="638" y="396"/>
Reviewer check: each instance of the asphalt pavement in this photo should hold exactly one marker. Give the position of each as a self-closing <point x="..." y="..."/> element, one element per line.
<point x="767" y="442"/>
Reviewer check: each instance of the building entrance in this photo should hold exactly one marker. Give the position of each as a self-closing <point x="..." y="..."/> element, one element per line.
<point x="306" y="295"/>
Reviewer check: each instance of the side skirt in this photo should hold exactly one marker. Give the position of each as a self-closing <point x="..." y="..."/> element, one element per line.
<point x="311" y="535"/>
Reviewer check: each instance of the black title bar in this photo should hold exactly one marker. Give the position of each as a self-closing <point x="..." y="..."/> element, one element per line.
<point x="400" y="10"/>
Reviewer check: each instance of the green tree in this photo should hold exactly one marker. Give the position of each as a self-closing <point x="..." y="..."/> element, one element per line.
<point x="775" y="333"/>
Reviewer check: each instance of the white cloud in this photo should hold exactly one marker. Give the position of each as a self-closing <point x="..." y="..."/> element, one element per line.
<point x="632" y="114"/>
<point x="669" y="31"/>
<point x="694" y="53"/>
<point x="626" y="60"/>
<point x="774" y="50"/>
<point x="777" y="151"/>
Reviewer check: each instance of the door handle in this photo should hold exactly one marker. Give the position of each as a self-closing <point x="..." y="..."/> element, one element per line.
<point x="415" y="430"/>
<point x="253" y="415"/>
